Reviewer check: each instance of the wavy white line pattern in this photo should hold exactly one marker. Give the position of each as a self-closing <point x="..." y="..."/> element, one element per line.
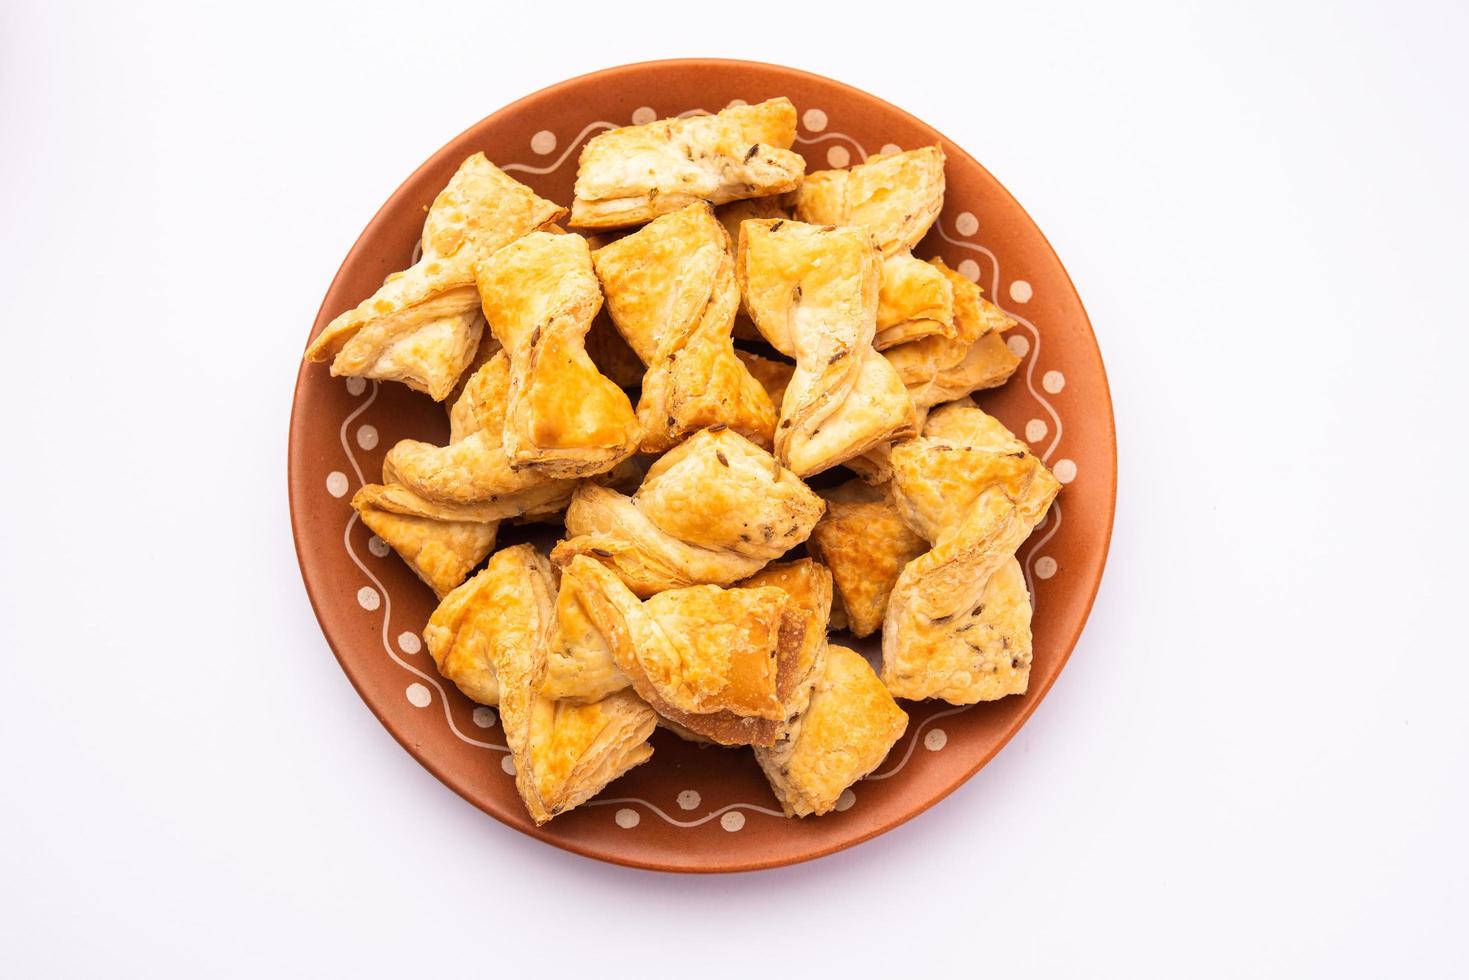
<point x="861" y="152"/>
<point x="1051" y="525"/>
<point x="697" y="822"/>
<point x="525" y="168"/>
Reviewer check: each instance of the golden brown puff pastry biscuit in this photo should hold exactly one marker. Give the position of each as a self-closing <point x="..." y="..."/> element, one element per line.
<point x="937" y="369"/>
<point x="671" y="291"/>
<point x="958" y="620"/>
<point x="632" y="175"/>
<point x="732" y="214"/>
<point x="988" y="363"/>
<point x="572" y="751"/>
<point x="440" y="547"/>
<point x="915" y="301"/>
<point x="713" y="510"/>
<point x="563" y="417"/>
<point x="896" y="197"/>
<point x="475" y="467"/>
<point x="866" y="545"/>
<point x="564" y="753"/>
<point x="711" y="660"/>
<point x="579" y="662"/>
<point x="461" y="633"/>
<point x="423" y="326"/>
<point x="774" y="376"/>
<point x="850" y="725"/>
<point x="937" y="477"/>
<point x="813" y="293"/>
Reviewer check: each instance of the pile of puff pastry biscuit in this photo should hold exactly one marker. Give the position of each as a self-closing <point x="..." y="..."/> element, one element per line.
<point x="673" y="598"/>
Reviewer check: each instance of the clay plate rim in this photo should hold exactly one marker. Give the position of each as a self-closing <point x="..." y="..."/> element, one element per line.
<point x="1032" y="698"/>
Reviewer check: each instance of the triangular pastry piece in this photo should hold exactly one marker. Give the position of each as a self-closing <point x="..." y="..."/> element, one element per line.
<point x="865" y="543"/>
<point x="896" y="197"/>
<point x="915" y="301"/>
<point x="423" y="326"/>
<point x="632" y="175"/>
<point x="564" y="753"/>
<point x="988" y="363"/>
<point x="475" y="468"/>
<point x="440" y="548"/>
<point x="461" y="631"/>
<point x="846" y="730"/>
<point x="671" y="291"/>
<point x="579" y="662"/>
<point x="563" y="417"/>
<point x="710" y="660"/>
<point x="812" y="292"/>
<point x="958" y="620"/>
<point x="715" y="509"/>
<point x="938" y="369"/>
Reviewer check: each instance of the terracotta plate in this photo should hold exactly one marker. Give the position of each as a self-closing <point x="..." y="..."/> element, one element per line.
<point x="690" y="809"/>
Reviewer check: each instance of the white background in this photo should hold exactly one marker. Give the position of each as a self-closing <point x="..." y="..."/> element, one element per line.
<point x="1255" y="762"/>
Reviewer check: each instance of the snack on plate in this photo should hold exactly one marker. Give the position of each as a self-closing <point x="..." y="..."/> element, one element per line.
<point x="957" y="625"/>
<point x="632" y="175"/>
<point x="423" y="326"/>
<point x="698" y="577"/>
<point x="680" y="326"/>
<point x="812" y="293"/>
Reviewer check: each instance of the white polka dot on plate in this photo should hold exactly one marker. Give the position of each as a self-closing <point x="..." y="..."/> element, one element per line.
<point x="378" y="546"/>
<point x="1045" y="566"/>
<point x="367" y="437"/>
<point x="969" y="269"/>
<point x="1065" y="470"/>
<point x="336" y="483"/>
<point x="936" y="739"/>
<point x="1053" y="381"/>
<point x="814" y="119"/>
<point x="356" y="386"/>
<point x="368" y="598"/>
<point x="409" y="642"/>
<point x="543" y="142"/>
<point x="418" y="695"/>
<point x="507" y="762"/>
<point x="732" y="821"/>
<point x="627" y="819"/>
<point x="484" y="717"/>
<point x="966" y="223"/>
<point x="838" y="156"/>
<point x="1035" y="430"/>
<point x="688" y="799"/>
<point x="890" y="148"/>
<point x="845" y="801"/>
<point x="1019" y="344"/>
<point x="643" y="115"/>
<point x="1020" y="291"/>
